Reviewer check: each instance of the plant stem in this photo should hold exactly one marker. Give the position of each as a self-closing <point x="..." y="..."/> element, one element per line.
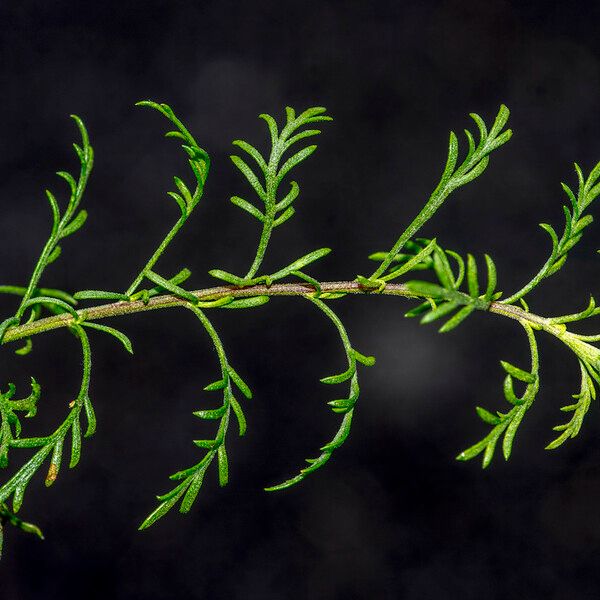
<point x="270" y="200"/>
<point x="157" y="254"/>
<point x="265" y="236"/>
<point x="280" y="289"/>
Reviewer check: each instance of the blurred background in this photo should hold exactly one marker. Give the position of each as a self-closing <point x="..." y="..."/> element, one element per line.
<point x="392" y="515"/>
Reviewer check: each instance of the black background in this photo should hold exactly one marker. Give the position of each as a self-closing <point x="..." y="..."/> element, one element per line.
<point x="392" y="515"/>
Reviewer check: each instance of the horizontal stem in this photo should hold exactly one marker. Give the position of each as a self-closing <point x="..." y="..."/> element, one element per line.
<point x="116" y="309"/>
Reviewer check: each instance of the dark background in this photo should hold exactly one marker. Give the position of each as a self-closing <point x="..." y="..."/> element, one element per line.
<point x="392" y="515"/>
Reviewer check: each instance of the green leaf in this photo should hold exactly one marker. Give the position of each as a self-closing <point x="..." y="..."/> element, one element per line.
<point x="301" y="136"/>
<point x="206" y="444"/>
<point x="55" y="211"/>
<point x="341" y="377"/>
<point x="491" y="277"/>
<point x="75" y="224"/>
<point x="418" y="310"/>
<point x="119" y="335"/>
<point x="253" y="152"/>
<point x="437" y="313"/>
<point x="290" y="196"/>
<point x="424" y="288"/>
<point x="509" y="392"/>
<point x="450" y="161"/>
<point x="216" y="413"/>
<point x="511" y="430"/>
<point x="180" y="202"/>
<point x="410" y="264"/>
<point x="228" y="277"/>
<point x="518" y="373"/>
<point x="239" y="414"/>
<point x="303" y="261"/>
<point x="296" y="159"/>
<point x="75" y="444"/>
<point x="169" y="286"/>
<point x="272" y="125"/>
<point x="289" y="213"/>
<point x="252" y="302"/>
<point x="500" y="121"/>
<point x="457" y="319"/>
<point x="249" y="208"/>
<point x="249" y="175"/>
<point x="472" y="279"/>
<point x="442" y="269"/>
<point x="192" y="492"/>
<point x="486" y="416"/>
<point x="54" y="255"/>
<point x="480" y="125"/>
<point x="99" y="295"/>
<point x="161" y="510"/>
<point x="239" y="382"/>
<point x="216" y="385"/>
<point x="368" y="361"/>
<point x="223" y="466"/>
<point x="184" y="191"/>
<point x="70" y="181"/>
<point x="26" y="349"/>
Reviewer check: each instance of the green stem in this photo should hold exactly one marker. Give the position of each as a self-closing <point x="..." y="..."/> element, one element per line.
<point x="541" y="274"/>
<point x="157" y="254"/>
<point x="265" y="236"/>
<point x="55" y="237"/>
<point x="270" y="210"/>
<point x="279" y="289"/>
<point x="214" y="338"/>
<point x="436" y="200"/>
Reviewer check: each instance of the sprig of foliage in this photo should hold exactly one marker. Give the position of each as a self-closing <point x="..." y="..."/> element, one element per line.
<point x="52" y="444"/>
<point x="33" y="300"/>
<point x="444" y="297"/>
<point x="451" y="288"/>
<point x="64" y="223"/>
<point x="186" y="199"/>
<point x="191" y="479"/>
<point x="454" y="177"/>
<point x="506" y="424"/>
<point x="343" y="406"/>
<point x="587" y="355"/>
<point x="587" y="393"/>
<point x="575" y="223"/>
<point x="275" y="211"/>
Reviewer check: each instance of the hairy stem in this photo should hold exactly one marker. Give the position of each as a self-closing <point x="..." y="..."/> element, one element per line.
<point x="270" y="201"/>
<point x="157" y="254"/>
<point x="280" y="289"/>
<point x="265" y="236"/>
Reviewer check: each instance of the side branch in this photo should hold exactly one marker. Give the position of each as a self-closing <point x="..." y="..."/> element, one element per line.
<point x="116" y="309"/>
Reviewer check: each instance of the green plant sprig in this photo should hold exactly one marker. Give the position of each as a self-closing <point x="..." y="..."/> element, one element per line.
<point x="64" y="224"/>
<point x="506" y="424"/>
<point x="452" y="289"/>
<point x="273" y="170"/>
<point x="191" y="479"/>
<point x="53" y="443"/>
<point x="575" y="223"/>
<point x="453" y="177"/>
<point x="186" y="199"/>
<point x="343" y="406"/>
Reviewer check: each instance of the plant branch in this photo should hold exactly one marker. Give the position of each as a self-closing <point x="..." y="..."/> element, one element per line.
<point x="116" y="309"/>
